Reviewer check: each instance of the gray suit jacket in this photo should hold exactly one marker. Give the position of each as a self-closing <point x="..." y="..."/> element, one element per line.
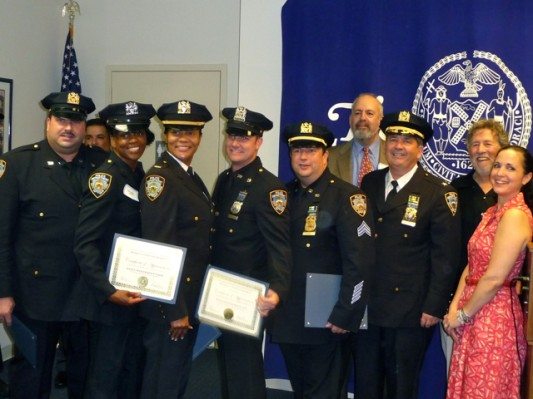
<point x="341" y="163"/>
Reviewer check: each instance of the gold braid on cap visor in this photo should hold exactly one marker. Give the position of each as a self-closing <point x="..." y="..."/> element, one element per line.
<point x="403" y="130"/>
<point x="185" y="123"/>
<point x="308" y="138"/>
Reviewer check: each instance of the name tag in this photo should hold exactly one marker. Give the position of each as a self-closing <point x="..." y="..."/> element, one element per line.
<point x="130" y="192"/>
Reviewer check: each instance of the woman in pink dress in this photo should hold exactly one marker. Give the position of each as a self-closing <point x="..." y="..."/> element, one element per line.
<point x="485" y="318"/>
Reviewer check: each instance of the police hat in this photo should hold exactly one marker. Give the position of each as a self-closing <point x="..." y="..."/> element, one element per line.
<point x="243" y="122"/>
<point x="129" y="117"/>
<point x="183" y="114"/>
<point x="68" y="105"/>
<point x="308" y="134"/>
<point x="405" y="122"/>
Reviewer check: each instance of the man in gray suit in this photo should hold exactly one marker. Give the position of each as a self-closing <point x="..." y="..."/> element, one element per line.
<point x="365" y="152"/>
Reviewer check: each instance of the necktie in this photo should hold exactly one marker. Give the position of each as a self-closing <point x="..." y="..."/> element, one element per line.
<point x="392" y="193"/>
<point x="366" y="165"/>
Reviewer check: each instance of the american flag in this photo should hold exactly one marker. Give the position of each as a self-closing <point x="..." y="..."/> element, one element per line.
<point x="71" y="76"/>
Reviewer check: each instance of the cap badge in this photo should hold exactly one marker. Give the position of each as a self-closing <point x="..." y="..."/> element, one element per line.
<point x="184" y="107"/>
<point x="358" y="202"/>
<point x="404" y="116"/>
<point x="278" y="200"/>
<point x="154" y="186"/>
<point x="240" y="114"/>
<point x="73" y="98"/>
<point x="452" y="200"/>
<point x="3" y="166"/>
<point x="306" y="127"/>
<point x="132" y="108"/>
<point x="99" y="184"/>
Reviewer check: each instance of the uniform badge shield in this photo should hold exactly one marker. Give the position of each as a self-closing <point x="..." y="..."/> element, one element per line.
<point x="99" y="184"/>
<point x="452" y="200"/>
<point x="3" y="167"/>
<point x="278" y="200"/>
<point x="154" y="186"/>
<point x="358" y="202"/>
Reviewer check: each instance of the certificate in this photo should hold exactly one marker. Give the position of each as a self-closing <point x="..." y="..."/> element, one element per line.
<point x="149" y="267"/>
<point x="228" y="301"/>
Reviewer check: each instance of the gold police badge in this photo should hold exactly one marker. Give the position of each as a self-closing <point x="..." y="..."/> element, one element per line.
<point x="278" y="200"/>
<point x="99" y="184"/>
<point x="452" y="200"/>
<point x="358" y="202"/>
<point x="154" y="185"/>
<point x="3" y="167"/>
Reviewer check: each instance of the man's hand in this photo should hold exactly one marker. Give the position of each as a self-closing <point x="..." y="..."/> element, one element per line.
<point x="179" y="328"/>
<point x="334" y="329"/>
<point x="268" y="302"/>
<point x="126" y="298"/>
<point x="6" y="309"/>
<point x="427" y="321"/>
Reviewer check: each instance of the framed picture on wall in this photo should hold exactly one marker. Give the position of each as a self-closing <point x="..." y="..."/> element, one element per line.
<point x="6" y="119"/>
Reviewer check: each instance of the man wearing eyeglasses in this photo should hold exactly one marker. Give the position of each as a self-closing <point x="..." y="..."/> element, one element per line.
<point x="41" y="188"/>
<point x="251" y="237"/>
<point x="176" y="209"/>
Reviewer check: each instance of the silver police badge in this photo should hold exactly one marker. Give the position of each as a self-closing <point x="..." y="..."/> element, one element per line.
<point x="99" y="184"/>
<point x="358" y="202"/>
<point x="455" y="93"/>
<point x="3" y="166"/>
<point x="278" y="200"/>
<point x="452" y="200"/>
<point x="184" y="107"/>
<point x="132" y="108"/>
<point x="154" y="185"/>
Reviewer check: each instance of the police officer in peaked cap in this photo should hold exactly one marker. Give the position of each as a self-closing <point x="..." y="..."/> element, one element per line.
<point x="176" y="209"/>
<point x="417" y="252"/>
<point x="111" y="206"/>
<point x="41" y="187"/>
<point x="251" y="237"/>
<point x="331" y="233"/>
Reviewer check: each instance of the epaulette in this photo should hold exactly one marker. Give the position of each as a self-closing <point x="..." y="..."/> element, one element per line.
<point x="435" y="180"/>
<point x="161" y="165"/>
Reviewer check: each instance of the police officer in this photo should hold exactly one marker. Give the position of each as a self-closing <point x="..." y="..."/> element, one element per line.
<point x="111" y="205"/>
<point x="417" y="251"/>
<point x="331" y="232"/>
<point x="251" y="238"/>
<point x="41" y="187"/>
<point x="176" y="209"/>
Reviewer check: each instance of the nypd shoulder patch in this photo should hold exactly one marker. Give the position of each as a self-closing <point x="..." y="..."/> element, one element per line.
<point x="278" y="200"/>
<point x="99" y="184"/>
<point x="154" y="186"/>
<point x="3" y="167"/>
<point x="452" y="201"/>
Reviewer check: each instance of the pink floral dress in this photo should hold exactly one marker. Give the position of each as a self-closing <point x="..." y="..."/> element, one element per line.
<point x="488" y="358"/>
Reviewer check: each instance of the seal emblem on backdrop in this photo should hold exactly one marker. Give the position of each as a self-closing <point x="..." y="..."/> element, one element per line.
<point x="455" y="93"/>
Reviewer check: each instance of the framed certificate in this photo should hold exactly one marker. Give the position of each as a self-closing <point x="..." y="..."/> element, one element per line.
<point x="149" y="267"/>
<point x="228" y="301"/>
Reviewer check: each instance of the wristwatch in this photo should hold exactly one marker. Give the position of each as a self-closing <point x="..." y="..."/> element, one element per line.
<point x="463" y="318"/>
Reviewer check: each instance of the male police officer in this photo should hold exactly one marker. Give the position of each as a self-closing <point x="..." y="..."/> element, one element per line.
<point x="41" y="187"/>
<point x="176" y="209"/>
<point x="417" y="250"/>
<point x="252" y="238"/>
<point x="331" y="232"/>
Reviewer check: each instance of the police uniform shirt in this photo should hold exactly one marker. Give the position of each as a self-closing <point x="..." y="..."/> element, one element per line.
<point x="417" y="248"/>
<point x="251" y="234"/>
<point x="176" y="211"/>
<point x="40" y="207"/>
<point x="110" y="205"/>
<point x="332" y="233"/>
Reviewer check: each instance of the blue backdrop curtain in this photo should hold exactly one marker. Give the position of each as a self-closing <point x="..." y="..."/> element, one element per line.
<point x="451" y="62"/>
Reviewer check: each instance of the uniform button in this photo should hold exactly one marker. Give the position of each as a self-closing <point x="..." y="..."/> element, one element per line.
<point x="396" y="289"/>
<point x="213" y="229"/>
<point x="216" y="213"/>
<point x="36" y="273"/>
<point x="196" y="218"/>
<point x="406" y="235"/>
<point x="380" y="220"/>
<point x="376" y="235"/>
<point x="308" y="245"/>
<point x="41" y="214"/>
<point x="188" y="279"/>
<point x="79" y="205"/>
<point x="210" y="247"/>
<point x="230" y="230"/>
